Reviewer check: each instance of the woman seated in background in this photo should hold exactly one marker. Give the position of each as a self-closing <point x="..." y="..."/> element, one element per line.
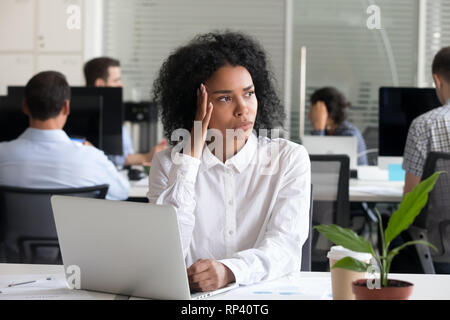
<point x="328" y="118"/>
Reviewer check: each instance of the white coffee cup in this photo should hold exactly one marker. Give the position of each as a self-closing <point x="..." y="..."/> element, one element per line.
<point x="341" y="279"/>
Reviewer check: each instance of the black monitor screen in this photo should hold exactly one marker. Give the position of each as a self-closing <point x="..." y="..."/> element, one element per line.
<point x="398" y="108"/>
<point x="112" y="113"/>
<point x="84" y="121"/>
<point x="13" y="121"/>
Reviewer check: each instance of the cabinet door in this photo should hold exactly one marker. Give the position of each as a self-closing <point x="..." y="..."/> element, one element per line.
<point x="19" y="69"/>
<point x="60" y="26"/>
<point x="17" y="21"/>
<point x="69" y="65"/>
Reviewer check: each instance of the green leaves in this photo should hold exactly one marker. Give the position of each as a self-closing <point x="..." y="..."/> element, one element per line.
<point x="409" y="208"/>
<point x="411" y="243"/>
<point x="350" y="263"/>
<point x="346" y="238"/>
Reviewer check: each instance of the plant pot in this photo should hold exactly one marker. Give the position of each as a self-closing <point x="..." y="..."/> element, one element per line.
<point x="396" y="290"/>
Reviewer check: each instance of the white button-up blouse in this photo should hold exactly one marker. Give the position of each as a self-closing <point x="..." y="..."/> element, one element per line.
<point x="251" y="213"/>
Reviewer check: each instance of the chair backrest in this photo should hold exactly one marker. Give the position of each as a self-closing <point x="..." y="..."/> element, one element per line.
<point x="27" y="227"/>
<point x="435" y="216"/>
<point x="330" y="176"/>
<point x="370" y="136"/>
<point x="306" y="249"/>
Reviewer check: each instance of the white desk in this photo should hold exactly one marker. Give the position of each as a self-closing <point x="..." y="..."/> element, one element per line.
<point x="375" y="190"/>
<point x="296" y="286"/>
<point x="359" y="190"/>
<point x="138" y="189"/>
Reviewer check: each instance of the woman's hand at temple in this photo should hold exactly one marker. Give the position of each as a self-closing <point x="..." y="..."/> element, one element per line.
<point x="318" y="115"/>
<point x="203" y="114"/>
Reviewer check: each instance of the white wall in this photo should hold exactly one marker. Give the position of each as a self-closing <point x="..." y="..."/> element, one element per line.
<point x="37" y="35"/>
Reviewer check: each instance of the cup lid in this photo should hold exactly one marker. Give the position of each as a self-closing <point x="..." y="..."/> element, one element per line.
<point x="339" y="252"/>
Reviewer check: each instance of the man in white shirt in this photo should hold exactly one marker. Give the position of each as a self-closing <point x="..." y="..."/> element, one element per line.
<point x="105" y="72"/>
<point x="44" y="156"/>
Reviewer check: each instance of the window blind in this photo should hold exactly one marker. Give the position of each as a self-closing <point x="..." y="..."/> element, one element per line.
<point x="142" y="33"/>
<point x="437" y="33"/>
<point x="342" y="52"/>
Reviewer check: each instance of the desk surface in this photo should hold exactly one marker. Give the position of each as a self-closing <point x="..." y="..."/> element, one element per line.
<point x="297" y="286"/>
<point x="360" y="190"/>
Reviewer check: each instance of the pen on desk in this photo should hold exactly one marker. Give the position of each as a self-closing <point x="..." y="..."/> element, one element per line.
<point x="27" y="282"/>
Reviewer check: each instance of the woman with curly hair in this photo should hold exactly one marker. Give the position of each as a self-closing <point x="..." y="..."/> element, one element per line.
<point x="242" y="219"/>
<point x="328" y="116"/>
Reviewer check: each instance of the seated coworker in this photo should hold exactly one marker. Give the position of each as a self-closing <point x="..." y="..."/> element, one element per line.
<point x="430" y="132"/>
<point x="44" y="157"/>
<point x="105" y="72"/>
<point x="328" y="117"/>
<point x="242" y="219"/>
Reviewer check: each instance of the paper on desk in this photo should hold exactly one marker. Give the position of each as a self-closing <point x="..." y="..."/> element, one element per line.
<point x="283" y="289"/>
<point x="378" y="190"/>
<point x="142" y="183"/>
<point x="55" y="289"/>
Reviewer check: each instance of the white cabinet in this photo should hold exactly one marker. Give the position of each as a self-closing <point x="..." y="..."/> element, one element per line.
<point x="58" y="30"/>
<point x="69" y="65"/>
<point x="37" y="35"/>
<point x="15" y="69"/>
<point x="17" y="20"/>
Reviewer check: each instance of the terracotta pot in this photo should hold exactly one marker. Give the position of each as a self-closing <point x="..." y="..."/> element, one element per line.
<point x="396" y="290"/>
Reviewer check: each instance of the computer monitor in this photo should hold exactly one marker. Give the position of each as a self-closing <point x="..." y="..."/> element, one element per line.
<point x="398" y="108"/>
<point x="112" y="117"/>
<point x="84" y="121"/>
<point x="347" y="145"/>
<point x="13" y="121"/>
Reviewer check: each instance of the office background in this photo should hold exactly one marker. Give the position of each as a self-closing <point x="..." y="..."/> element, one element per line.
<point x="341" y="50"/>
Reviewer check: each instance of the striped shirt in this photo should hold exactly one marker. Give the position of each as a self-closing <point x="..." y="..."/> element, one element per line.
<point x="428" y="132"/>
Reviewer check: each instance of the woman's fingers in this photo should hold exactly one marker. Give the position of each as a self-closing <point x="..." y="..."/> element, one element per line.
<point x="203" y="114"/>
<point x="207" y="117"/>
<point x="202" y="101"/>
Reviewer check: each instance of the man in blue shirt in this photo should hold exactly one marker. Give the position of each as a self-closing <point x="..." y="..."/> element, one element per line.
<point x="105" y="72"/>
<point x="44" y="157"/>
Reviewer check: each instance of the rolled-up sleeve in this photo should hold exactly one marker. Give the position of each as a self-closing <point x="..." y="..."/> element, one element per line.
<point x="279" y="250"/>
<point x="174" y="184"/>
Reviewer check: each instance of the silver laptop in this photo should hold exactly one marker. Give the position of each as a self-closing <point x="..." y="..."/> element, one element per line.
<point x="126" y="248"/>
<point x="333" y="145"/>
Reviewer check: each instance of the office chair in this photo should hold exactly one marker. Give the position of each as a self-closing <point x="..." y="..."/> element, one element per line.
<point x="330" y="176"/>
<point x="306" y="249"/>
<point x="370" y="136"/>
<point x="433" y="223"/>
<point x="27" y="227"/>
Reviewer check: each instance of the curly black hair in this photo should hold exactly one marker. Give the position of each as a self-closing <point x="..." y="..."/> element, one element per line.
<point x="334" y="100"/>
<point x="174" y="91"/>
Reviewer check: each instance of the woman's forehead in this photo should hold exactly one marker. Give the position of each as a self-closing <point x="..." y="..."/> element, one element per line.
<point x="229" y="77"/>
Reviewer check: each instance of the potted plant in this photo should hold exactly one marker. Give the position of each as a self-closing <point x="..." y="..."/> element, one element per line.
<point x="401" y="219"/>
